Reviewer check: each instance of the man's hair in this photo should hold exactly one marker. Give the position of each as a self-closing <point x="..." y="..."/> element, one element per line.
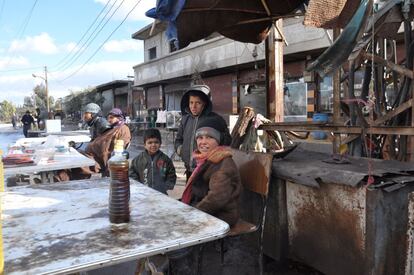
<point x="152" y="133"/>
<point x="198" y="94"/>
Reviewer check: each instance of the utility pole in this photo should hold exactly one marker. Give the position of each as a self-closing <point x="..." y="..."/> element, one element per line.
<point x="47" y="92"/>
<point x="46" y="87"/>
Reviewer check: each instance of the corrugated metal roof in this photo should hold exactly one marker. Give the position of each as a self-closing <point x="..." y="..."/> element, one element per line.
<point x="310" y="168"/>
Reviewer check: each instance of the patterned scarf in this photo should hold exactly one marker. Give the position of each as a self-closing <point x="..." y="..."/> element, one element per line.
<point x="215" y="156"/>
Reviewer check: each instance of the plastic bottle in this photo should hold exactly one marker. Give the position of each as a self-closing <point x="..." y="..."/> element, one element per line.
<point x="119" y="187"/>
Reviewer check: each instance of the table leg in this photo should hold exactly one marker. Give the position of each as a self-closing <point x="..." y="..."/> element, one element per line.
<point x="43" y="177"/>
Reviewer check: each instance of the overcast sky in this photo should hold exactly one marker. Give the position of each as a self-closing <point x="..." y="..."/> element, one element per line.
<point x="72" y="38"/>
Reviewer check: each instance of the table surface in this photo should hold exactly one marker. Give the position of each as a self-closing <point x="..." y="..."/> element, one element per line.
<point x="66" y="160"/>
<point x="62" y="228"/>
<point x="63" y="138"/>
<point x="69" y="133"/>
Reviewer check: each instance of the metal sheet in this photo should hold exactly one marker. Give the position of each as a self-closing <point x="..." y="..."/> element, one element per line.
<point x="309" y="168"/>
<point x="409" y="264"/>
<point x="327" y="227"/>
<point x="65" y="228"/>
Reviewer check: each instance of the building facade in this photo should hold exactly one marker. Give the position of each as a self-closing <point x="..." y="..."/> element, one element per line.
<point x="123" y="95"/>
<point x="235" y="71"/>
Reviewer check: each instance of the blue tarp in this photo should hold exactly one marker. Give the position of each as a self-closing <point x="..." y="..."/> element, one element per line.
<point x="168" y="10"/>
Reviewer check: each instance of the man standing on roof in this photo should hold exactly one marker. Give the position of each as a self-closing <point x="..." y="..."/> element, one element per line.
<point x="196" y="106"/>
<point x="93" y="118"/>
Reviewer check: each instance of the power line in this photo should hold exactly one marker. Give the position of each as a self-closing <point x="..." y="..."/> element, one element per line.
<point x="103" y="43"/>
<point x="86" y="32"/>
<point x="89" y="41"/>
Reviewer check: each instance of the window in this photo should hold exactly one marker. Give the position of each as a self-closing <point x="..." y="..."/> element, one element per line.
<point x="295" y="101"/>
<point x="152" y="53"/>
<point x="326" y="94"/>
<point x="173" y="46"/>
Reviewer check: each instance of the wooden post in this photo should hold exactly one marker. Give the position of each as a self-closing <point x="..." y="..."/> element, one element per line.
<point x="336" y="97"/>
<point x="274" y="72"/>
<point x="410" y="146"/>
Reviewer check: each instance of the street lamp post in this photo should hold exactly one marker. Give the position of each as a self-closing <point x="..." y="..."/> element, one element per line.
<point x="46" y="86"/>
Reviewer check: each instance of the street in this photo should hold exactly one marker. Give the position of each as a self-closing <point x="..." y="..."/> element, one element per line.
<point x="9" y="135"/>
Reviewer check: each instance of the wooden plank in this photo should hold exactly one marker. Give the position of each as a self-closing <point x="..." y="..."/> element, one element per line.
<point x="397" y="68"/>
<point x="340" y="129"/>
<point x="279" y="94"/>
<point x="388" y="116"/>
<point x="393" y="113"/>
<point x="336" y="97"/>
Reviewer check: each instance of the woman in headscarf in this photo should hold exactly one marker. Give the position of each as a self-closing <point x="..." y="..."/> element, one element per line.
<point x="102" y="147"/>
<point x="116" y="118"/>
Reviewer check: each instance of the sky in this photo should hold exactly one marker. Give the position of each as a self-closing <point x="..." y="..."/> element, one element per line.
<point x="83" y="43"/>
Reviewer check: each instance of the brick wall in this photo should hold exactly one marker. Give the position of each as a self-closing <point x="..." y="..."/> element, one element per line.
<point x="221" y="92"/>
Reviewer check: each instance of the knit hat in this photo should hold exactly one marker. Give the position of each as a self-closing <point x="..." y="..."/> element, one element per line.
<point x="211" y="127"/>
<point x="116" y="112"/>
<point x="152" y="133"/>
<point x="92" y="108"/>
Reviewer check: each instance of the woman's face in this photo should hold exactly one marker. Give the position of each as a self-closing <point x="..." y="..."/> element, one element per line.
<point x="205" y="144"/>
<point x="113" y="119"/>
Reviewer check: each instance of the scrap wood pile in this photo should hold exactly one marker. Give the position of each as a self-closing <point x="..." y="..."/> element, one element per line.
<point x="247" y="137"/>
<point x="374" y="54"/>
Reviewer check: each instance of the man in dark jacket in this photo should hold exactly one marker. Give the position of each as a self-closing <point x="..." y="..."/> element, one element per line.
<point x="92" y="116"/>
<point x="27" y="121"/>
<point x="196" y="106"/>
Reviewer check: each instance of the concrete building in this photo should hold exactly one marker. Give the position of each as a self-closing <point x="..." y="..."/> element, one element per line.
<point x="121" y="94"/>
<point x="235" y="71"/>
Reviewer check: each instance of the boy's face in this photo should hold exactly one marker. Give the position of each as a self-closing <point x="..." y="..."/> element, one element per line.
<point x="196" y="105"/>
<point x="152" y="145"/>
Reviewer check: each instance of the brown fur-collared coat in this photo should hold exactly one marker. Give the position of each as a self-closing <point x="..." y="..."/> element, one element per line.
<point x="217" y="187"/>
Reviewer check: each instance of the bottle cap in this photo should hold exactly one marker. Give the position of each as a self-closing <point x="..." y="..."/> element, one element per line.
<point x="119" y="145"/>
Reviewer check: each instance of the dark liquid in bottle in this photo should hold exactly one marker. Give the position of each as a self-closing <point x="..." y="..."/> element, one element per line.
<point x="119" y="192"/>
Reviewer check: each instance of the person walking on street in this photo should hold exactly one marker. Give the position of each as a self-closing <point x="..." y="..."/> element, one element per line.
<point x="27" y="121"/>
<point x="196" y="106"/>
<point x="14" y="120"/>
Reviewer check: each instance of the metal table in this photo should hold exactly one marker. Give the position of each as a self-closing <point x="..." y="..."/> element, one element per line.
<point x="40" y="140"/>
<point x="66" y="160"/>
<point x="65" y="228"/>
